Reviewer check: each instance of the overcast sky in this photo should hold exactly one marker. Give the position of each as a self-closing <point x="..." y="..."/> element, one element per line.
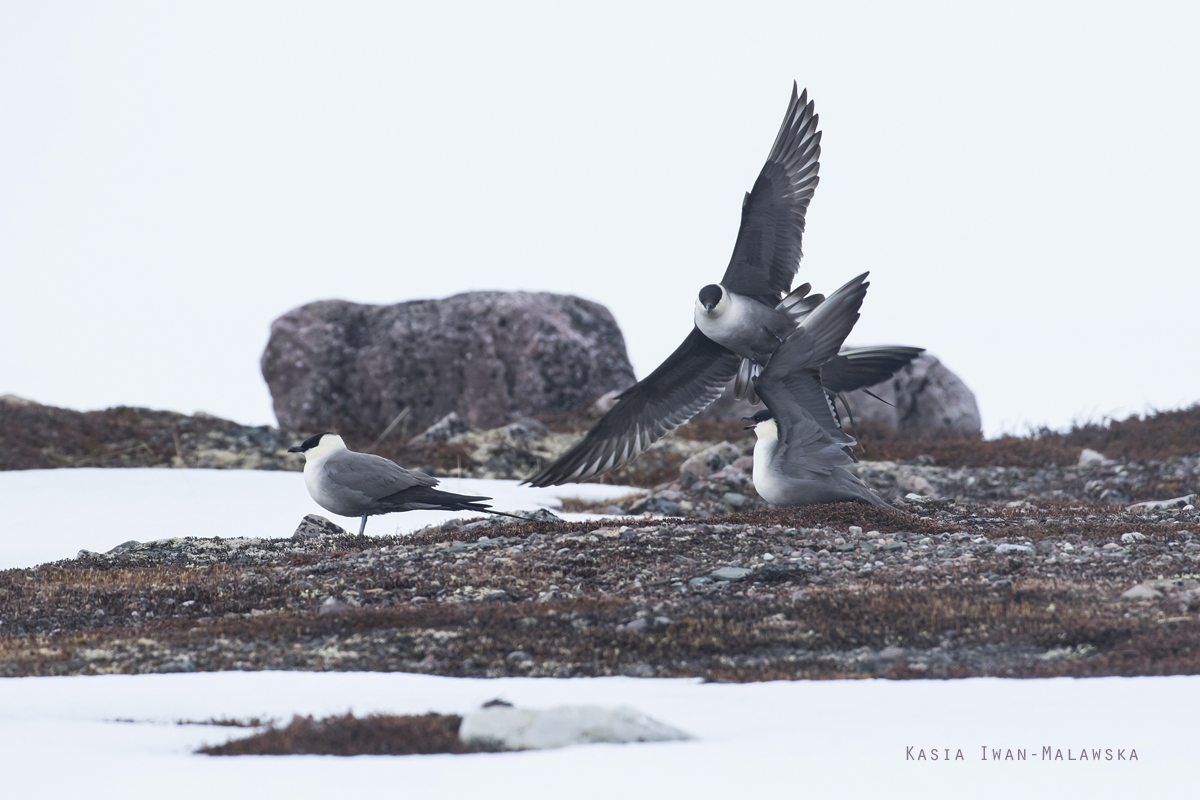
<point x="1020" y="179"/>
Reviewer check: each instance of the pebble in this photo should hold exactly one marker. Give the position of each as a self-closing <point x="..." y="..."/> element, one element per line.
<point x="1141" y="592"/>
<point x="1132" y="536"/>
<point x="332" y="606"/>
<point x="1156" y="505"/>
<point x="1014" y="548"/>
<point x="634" y="626"/>
<point x="730" y="573"/>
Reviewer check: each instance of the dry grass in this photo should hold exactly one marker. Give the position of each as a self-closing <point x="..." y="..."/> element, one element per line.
<point x="374" y="735"/>
<point x="1155" y="436"/>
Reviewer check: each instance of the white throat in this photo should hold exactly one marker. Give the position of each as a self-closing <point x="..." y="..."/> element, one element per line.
<point x="767" y="429"/>
<point x="330" y="443"/>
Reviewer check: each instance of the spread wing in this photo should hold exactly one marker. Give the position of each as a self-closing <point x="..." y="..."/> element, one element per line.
<point x="857" y="367"/>
<point x="767" y="253"/>
<point x="372" y="477"/>
<point x="682" y="386"/>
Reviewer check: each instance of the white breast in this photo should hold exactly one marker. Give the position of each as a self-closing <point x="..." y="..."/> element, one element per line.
<point x="770" y="485"/>
<point x="321" y="493"/>
<point x="728" y="322"/>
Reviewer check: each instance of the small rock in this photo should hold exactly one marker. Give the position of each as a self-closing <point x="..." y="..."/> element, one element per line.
<point x="700" y="581"/>
<point x="1114" y="495"/>
<point x="1142" y="591"/>
<point x="634" y="626"/>
<point x="518" y="657"/>
<point x="125" y="547"/>
<point x="915" y="484"/>
<point x="1090" y="458"/>
<point x="1131" y="537"/>
<point x="734" y="500"/>
<point x="332" y="606"/>
<point x="1154" y="505"/>
<point x="730" y="573"/>
<point x="800" y="596"/>
<point x="709" y="461"/>
<point x="1014" y="548"/>
<point x="540" y="729"/>
<point x="314" y="526"/>
<point x="446" y="427"/>
<point x="615" y="511"/>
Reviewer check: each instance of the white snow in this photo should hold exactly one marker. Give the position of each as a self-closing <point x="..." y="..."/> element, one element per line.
<point x="54" y="513"/>
<point x="114" y="736"/>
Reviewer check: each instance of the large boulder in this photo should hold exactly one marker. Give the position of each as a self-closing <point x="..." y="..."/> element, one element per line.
<point x="491" y="357"/>
<point x="926" y="397"/>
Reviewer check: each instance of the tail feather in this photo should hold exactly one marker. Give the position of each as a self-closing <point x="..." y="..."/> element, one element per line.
<point x="435" y="499"/>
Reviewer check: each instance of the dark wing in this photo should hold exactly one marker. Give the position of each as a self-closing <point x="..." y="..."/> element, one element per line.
<point x="418" y="497"/>
<point x="790" y="387"/>
<point x="682" y="386"/>
<point x="792" y="378"/>
<point x="767" y="253"/>
<point x="865" y="366"/>
<point x="808" y="449"/>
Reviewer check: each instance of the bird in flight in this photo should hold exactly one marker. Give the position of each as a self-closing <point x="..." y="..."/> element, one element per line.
<point x="739" y="322"/>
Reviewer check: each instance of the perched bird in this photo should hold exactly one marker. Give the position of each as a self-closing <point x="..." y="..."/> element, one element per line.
<point x="739" y="322"/>
<point x="802" y="454"/>
<point x="361" y="485"/>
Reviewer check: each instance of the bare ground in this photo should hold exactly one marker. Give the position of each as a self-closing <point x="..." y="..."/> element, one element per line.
<point x="923" y="592"/>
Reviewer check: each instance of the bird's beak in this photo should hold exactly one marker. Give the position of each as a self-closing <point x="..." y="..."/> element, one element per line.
<point x="709" y="307"/>
<point x="295" y="449"/>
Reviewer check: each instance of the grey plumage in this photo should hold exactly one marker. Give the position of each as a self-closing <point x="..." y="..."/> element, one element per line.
<point x="801" y="456"/>
<point x="765" y="259"/>
<point x="361" y="485"/>
<point x="739" y="323"/>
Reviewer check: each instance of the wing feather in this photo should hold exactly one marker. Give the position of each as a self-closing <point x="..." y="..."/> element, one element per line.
<point x="768" y="248"/>
<point x="858" y="367"/>
<point x="682" y="386"/>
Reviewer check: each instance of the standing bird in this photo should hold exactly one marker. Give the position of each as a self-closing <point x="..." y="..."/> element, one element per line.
<point x="739" y="322"/>
<point x="361" y="485"/>
<point x="802" y="454"/>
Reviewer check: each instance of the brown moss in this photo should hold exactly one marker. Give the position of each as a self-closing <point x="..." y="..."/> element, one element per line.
<point x="1155" y="436"/>
<point x="374" y="735"/>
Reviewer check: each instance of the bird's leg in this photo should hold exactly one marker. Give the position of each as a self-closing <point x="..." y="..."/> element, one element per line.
<point x="363" y="526"/>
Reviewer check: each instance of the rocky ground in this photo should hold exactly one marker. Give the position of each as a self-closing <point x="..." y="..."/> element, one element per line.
<point x="1017" y="557"/>
<point x="935" y="589"/>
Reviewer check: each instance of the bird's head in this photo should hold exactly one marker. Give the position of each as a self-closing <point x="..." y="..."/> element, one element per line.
<point x="764" y="424"/>
<point x="319" y="446"/>
<point x="712" y="301"/>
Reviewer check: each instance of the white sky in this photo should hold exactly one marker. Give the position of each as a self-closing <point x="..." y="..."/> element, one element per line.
<point x="1020" y="179"/>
